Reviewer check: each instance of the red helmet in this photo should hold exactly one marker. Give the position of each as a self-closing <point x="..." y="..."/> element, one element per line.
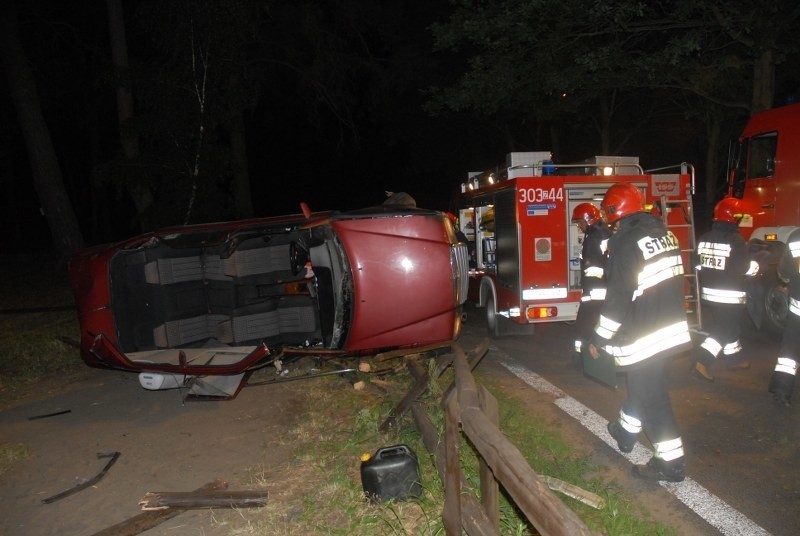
<point x="730" y="209"/>
<point x="586" y="212"/>
<point x="622" y="199"/>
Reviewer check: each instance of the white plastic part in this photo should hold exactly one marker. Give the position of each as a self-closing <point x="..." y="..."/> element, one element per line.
<point x="157" y="381"/>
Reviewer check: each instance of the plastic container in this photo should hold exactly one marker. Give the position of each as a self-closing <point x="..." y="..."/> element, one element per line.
<point x="392" y="473"/>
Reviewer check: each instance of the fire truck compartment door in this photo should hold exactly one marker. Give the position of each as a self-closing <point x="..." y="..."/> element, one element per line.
<point x="577" y="194"/>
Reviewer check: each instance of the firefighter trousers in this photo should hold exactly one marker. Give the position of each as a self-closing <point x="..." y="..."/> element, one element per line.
<point x="586" y="321"/>
<point x="783" y="377"/>
<point x="648" y="401"/>
<point x="723" y="325"/>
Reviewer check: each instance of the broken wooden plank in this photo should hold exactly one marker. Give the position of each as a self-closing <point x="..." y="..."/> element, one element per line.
<point x="571" y="490"/>
<point x="152" y="518"/>
<point x="157" y="500"/>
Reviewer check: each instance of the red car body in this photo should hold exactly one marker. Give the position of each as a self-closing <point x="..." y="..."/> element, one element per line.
<point x="221" y="298"/>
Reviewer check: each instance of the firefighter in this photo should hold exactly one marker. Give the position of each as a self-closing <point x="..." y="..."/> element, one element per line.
<point x="642" y="324"/>
<point x="723" y="264"/>
<point x="781" y="383"/>
<point x="593" y="261"/>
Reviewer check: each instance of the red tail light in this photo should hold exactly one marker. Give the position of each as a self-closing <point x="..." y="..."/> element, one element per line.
<point x="537" y="313"/>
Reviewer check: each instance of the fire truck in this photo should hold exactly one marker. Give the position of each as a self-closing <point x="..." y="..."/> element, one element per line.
<point x="765" y="173"/>
<point x="525" y="251"/>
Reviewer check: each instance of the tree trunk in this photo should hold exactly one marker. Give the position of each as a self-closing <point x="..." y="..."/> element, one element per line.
<point x="140" y="194"/>
<point x="47" y="178"/>
<point x="713" y="131"/>
<point x="763" y="80"/>
<point x="242" y="199"/>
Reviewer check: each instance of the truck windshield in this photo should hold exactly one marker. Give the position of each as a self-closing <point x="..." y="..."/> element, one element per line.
<point x="761" y="163"/>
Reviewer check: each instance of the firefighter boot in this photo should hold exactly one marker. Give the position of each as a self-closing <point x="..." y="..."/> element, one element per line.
<point x="624" y="440"/>
<point x="659" y="470"/>
<point x="700" y="372"/>
<point x="781" y="386"/>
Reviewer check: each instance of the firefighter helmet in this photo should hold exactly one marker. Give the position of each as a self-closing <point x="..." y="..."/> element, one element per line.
<point x="622" y="199"/>
<point x="586" y="212"/>
<point x="730" y="210"/>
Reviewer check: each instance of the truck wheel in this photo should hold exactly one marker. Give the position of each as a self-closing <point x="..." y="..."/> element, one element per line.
<point x="775" y="304"/>
<point x="492" y="318"/>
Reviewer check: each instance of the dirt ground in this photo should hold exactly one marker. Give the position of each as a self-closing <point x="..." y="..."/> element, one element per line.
<point x="168" y="445"/>
<point x="164" y="445"/>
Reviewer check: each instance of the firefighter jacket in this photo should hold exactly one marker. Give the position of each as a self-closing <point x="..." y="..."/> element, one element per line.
<point x="789" y="270"/>
<point x="724" y="263"/>
<point x="593" y="261"/>
<point x="643" y="314"/>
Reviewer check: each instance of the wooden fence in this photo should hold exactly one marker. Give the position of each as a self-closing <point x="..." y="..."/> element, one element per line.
<point x="472" y="410"/>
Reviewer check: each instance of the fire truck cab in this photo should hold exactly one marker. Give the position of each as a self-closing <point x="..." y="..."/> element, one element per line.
<point x="765" y="173"/>
<point x="525" y="251"/>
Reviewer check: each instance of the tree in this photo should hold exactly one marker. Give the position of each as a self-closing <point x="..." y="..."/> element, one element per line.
<point x="521" y="54"/>
<point x="186" y="146"/>
<point x="45" y="168"/>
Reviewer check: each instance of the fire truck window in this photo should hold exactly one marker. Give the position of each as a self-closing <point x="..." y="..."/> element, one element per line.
<point x="762" y="156"/>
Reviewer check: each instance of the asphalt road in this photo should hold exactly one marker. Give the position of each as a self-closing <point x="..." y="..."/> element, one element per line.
<point x="741" y="448"/>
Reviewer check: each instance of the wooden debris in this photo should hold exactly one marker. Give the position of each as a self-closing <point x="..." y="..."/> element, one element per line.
<point x="410" y="351"/>
<point x="46" y="415"/>
<point x="152" y="518"/>
<point x="383" y="384"/>
<point x="571" y="490"/>
<point x="158" y="500"/>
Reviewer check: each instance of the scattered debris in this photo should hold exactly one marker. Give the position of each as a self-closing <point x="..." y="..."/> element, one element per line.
<point x="87" y="483"/>
<point x="571" y="490"/>
<point x="46" y="415"/>
<point x="159" y="500"/>
<point x="359" y="385"/>
<point x="300" y="377"/>
<point x="151" y="518"/>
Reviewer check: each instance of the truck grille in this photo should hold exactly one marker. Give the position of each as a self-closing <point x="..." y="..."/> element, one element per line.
<point x="459" y="260"/>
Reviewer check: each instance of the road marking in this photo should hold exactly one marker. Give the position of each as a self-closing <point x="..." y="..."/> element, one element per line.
<point x="711" y="508"/>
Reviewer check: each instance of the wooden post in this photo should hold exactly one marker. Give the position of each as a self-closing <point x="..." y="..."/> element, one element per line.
<point x="452" y="473"/>
<point x="490" y="490"/>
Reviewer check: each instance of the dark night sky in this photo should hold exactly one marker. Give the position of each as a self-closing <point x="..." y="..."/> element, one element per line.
<point x="294" y="156"/>
<point x="295" y="153"/>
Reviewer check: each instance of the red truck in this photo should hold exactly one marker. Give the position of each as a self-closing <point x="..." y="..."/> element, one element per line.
<point x="524" y="248"/>
<point x="765" y="173"/>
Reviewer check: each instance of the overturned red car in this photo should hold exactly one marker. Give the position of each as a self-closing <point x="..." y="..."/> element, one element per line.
<point x="202" y="306"/>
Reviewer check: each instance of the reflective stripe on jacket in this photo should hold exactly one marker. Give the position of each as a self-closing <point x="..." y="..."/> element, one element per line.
<point x="724" y="264"/>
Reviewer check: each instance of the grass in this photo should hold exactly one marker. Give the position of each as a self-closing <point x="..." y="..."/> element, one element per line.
<point x="320" y="492"/>
<point x="11" y="454"/>
<point x="31" y="338"/>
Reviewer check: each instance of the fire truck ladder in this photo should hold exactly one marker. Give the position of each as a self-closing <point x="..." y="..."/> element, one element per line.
<point x="692" y="284"/>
